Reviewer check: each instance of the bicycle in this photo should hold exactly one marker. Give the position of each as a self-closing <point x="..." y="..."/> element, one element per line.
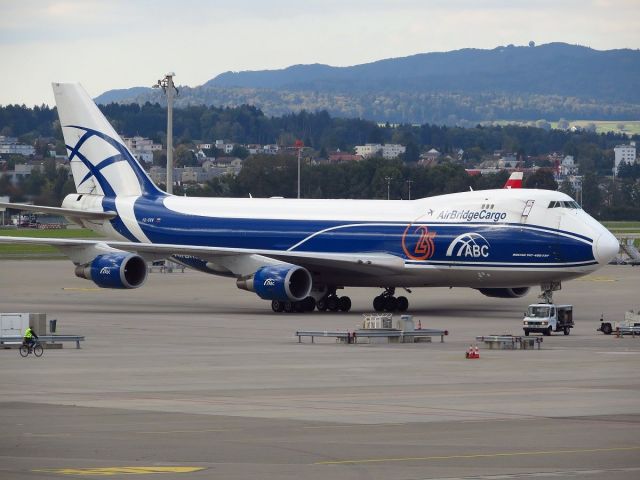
<point x="35" y="348"/>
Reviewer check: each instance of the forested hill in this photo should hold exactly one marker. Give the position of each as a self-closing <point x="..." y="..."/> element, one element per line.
<point x="555" y="68"/>
<point x="550" y="82"/>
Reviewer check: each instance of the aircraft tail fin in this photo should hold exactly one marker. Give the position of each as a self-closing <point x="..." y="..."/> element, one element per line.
<point x="101" y="163"/>
<point x="515" y="180"/>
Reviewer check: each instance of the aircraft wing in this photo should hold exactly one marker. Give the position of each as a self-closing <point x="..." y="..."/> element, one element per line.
<point x="366" y="263"/>
<point x="66" y="212"/>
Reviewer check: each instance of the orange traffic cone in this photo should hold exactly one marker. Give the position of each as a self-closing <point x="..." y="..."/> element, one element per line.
<point x="476" y="352"/>
<point x="469" y="353"/>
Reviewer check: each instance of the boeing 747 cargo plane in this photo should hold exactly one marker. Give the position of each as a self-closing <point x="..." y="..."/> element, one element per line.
<point x="298" y="253"/>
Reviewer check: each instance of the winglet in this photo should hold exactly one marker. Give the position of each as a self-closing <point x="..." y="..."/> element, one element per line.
<point x="515" y="180"/>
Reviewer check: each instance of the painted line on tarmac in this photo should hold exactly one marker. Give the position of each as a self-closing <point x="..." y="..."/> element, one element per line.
<point x="557" y="473"/>
<point x="476" y="455"/>
<point x="82" y="289"/>
<point x="596" y="279"/>
<point x="109" y="471"/>
<point x="185" y="431"/>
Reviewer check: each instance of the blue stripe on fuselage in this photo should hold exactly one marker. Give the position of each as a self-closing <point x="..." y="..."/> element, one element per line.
<point x="506" y="244"/>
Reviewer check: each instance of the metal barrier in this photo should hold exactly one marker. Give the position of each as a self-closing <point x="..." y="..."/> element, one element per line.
<point x="370" y="333"/>
<point x="512" y="342"/>
<point x="53" y="339"/>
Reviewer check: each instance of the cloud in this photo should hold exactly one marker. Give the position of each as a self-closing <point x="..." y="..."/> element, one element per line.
<point x="119" y="43"/>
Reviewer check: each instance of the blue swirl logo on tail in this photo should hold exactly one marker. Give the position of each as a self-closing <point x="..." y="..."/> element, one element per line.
<point x="147" y="187"/>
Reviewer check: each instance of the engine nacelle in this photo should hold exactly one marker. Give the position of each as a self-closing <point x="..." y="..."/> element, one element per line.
<point x="515" y="292"/>
<point x="115" y="270"/>
<point x="284" y="282"/>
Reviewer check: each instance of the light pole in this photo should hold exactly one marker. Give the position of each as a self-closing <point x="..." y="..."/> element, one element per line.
<point x="299" y="145"/>
<point x="167" y="86"/>
<point x="409" y="182"/>
<point x="388" y="179"/>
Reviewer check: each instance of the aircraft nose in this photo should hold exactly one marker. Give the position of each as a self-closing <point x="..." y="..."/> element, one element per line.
<point x="605" y="248"/>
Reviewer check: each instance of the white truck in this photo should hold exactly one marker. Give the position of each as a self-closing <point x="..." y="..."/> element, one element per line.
<point x="546" y="318"/>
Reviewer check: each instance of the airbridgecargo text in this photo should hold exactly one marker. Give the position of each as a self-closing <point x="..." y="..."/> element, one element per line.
<point x="471" y="215"/>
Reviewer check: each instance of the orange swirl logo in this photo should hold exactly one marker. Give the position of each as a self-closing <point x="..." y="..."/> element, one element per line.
<point x="424" y="248"/>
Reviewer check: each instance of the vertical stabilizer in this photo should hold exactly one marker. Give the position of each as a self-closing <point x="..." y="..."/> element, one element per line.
<point x="100" y="161"/>
<point x="514" y="181"/>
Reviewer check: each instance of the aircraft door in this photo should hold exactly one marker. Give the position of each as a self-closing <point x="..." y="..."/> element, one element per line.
<point x="526" y="211"/>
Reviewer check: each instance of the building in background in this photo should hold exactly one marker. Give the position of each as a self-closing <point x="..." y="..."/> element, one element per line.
<point x="388" y="151"/>
<point x="142" y="148"/>
<point x="624" y="154"/>
<point x="10" y="146"/>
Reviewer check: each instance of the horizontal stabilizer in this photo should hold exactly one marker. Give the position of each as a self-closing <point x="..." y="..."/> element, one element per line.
<point x="66" y="212"/>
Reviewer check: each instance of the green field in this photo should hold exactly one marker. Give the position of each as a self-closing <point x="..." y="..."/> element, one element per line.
<point x="45" y="251"/>
<point x="624" y="227"/>
<point x="629" y="127"/>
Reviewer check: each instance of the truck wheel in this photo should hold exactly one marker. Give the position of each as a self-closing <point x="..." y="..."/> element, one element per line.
<point x="567" y="330"/>
<point x="526" y="333"/>
<point x="606" y="328"/>
<point x="548" y="331"/>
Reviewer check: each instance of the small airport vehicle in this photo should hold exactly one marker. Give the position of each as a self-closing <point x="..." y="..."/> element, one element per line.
<point x="546" y="318"/>
<point x="631" y="324"/>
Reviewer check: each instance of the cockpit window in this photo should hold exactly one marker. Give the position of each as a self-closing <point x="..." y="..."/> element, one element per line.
<point x="562" y="204"/>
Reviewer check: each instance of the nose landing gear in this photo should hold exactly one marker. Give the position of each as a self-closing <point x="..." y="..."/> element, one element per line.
<point x="387" y="302"/>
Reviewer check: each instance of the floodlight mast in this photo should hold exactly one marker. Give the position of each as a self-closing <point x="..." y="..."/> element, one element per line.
<point x="168" y="87"/>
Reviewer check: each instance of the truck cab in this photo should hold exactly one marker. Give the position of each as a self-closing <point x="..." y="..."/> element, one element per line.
<point x="546" y="318"/>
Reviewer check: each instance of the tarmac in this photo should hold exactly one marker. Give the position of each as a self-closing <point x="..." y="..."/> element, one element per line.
<point x="190" y="378"/>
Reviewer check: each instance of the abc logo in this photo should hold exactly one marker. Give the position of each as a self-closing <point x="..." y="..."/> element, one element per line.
<point x="469" y="245"/>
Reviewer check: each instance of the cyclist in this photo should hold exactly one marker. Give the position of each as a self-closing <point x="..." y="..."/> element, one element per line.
<point x="30" y="337"/>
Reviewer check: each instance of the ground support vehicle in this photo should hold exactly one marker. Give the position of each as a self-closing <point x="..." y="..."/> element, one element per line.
<point x="546" y="318"/>
<point x="630" y="325"/>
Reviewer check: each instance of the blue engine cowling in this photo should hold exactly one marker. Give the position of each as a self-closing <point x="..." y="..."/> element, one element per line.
<point x="115" y="270"/>
<point x="284" y="282"/>
<point x="515" y="292"/>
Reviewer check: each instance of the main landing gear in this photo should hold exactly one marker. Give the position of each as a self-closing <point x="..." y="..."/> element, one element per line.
<point x="387" y="302"/>
<point x="330" y="301"/>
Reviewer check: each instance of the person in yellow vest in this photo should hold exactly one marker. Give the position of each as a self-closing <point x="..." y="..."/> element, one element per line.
<point x="29" y="337"/>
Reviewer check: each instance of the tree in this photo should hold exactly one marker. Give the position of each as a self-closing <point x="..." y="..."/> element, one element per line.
<point x="591" y="194"/>
<point x="240" y="152"/>
<point x="567" y="187"/>
<point x="541" y="178"/>
<point x="184" y="157"/>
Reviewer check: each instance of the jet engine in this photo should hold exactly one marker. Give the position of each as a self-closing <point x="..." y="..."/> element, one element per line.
<point x="515" y="292"/>
<point x="283" y="282"/>
<point x="115" y="270"/>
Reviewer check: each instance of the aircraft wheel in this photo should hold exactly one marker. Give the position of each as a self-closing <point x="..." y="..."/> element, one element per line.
<point x="333" y="303"/>
<point x="403" y="304"/>
<point x="390" y="304"/>
<point x="277" y="306"/>
<point x="288" y="307"/>
<point x="378" y="303"/>
<point x="321" y="305"/>
<point x="299" y="306"/>
<point x="344" y="304"/>
<point x="309" y="304"/>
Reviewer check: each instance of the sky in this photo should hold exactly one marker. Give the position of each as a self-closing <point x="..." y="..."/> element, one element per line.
<point x="119" y="44"/>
